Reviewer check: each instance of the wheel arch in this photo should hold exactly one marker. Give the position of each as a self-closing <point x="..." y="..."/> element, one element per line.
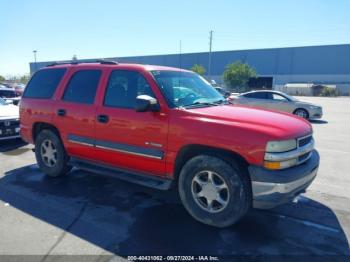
<point x="189" y="151"/>
<point x="39" y="126"/>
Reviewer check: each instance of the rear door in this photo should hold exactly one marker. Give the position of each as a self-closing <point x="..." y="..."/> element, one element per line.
<point x="75" y="111"/>
<point x="126" y="138"/>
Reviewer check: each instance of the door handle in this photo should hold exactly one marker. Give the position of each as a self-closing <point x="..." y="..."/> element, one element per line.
<point x="61" y="112"/>
<point x="102" y="118"/>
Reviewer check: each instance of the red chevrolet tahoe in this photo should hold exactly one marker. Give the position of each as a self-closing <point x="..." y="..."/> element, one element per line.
<point x="160" y="126"/>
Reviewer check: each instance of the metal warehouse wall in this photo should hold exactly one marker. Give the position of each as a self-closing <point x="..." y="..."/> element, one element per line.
<point x="306" y="64"/>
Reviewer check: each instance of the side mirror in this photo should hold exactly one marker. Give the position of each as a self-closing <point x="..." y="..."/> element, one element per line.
<point x="146" y="103"/>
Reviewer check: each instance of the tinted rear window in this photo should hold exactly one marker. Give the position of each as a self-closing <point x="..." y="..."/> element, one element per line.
<point x="82" y="87"/>
<point x="44" y="83"/>
<point x="257" y="95"/>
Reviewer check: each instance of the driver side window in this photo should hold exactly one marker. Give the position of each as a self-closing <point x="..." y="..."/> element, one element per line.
<point x="278" y="98"/>
<point x="123" y="88"/>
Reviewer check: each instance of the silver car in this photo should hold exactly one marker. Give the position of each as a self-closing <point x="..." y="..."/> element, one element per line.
<point x="276" y="100"/>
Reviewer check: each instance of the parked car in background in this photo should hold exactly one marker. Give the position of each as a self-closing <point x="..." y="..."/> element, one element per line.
<point x="223" y="91"/>
<point x="10" y="95"/>
<point x="6" y="85"/>
<point x="19" y="89"/>
<point x="220" y="89"/>
<point x="9" y="120"/>
<point x="276" y="100"/>
<point x="135" y="122"/>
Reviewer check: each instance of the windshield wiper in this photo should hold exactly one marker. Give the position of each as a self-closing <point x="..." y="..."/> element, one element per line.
<point x="215" y="103"/>
<point x="199" y="104"/>
<point x="220" y="102"/>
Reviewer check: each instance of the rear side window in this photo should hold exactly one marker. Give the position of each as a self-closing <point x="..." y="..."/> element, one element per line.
<point x="44" y="83"/>
<point x="82" y="87"/>
<point x="257" y="95"/>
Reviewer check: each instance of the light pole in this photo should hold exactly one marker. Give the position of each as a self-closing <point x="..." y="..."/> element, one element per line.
<point x="210" y="46"/>
<point x="34" y="51"/>
<point x="180" y="62"/>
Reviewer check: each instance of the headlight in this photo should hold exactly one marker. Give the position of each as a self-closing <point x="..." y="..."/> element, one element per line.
<point x="281" y="146"/>
<point x="315" y="107"/>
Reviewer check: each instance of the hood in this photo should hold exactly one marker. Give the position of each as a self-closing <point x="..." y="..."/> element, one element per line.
<point x="276" y="124"/>
<point x="9" y="111"/>
<point x="301" y="103"/>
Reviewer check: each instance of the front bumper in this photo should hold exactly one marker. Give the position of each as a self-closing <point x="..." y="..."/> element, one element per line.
<point x="315" y="113"/>
<point x="9" y="129"/>
<point x="275" y="187"/>
<point x="9" y="137"/>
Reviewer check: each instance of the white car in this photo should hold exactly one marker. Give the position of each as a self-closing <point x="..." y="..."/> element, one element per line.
<point x="9" y="94"/>
<point x="279" y="101"/>
<point x="9" y="120"/>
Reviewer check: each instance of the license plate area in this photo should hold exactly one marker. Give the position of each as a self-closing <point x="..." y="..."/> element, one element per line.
<point x="9" y="131"/>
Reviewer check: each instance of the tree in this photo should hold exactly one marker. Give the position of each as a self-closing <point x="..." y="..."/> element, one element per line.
<point x="236" y="76"/>
<point x="19" y="78"/>
<point x="24" y="79"/>
<point x="199" y="69"/>
<point x="2" y="78"/>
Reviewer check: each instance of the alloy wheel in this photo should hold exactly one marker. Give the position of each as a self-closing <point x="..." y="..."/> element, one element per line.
<point x="210" y="191"/>
<point x="48" y="153"/>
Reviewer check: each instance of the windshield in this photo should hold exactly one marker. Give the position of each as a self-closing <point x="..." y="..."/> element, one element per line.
<point x="7" y="93"/>
<point x="183" y="89"/>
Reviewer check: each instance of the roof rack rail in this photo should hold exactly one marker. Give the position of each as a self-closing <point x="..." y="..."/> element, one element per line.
<point x="101" y="61"/>
<point x="106" y="62"/>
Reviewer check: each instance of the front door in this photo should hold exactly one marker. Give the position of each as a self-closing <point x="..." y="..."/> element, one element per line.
<point x="279" y="103"/>
<point x="126" y="138"/>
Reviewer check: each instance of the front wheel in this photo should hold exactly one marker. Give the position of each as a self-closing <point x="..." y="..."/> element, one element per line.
<point x="213" y="191"/>
<point x="302" y="113"/>
<point x="51" y="155"/>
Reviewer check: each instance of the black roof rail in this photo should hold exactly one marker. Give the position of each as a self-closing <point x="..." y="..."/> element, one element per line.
<point x="101" y="61"/>
<point x="62" y="63"/>
<point x="106" y="62"/>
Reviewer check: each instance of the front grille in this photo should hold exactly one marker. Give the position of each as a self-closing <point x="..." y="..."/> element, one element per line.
<point x="304" y="141"/>
<point x="303" y="157"/>
<point x="9" y="123"/>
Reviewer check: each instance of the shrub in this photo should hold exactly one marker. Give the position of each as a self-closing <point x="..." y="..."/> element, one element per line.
<point x="329" y="91"/>
<point x="237" y="75"/>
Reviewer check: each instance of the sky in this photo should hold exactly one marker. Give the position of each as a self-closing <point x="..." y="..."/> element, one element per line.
<point x="112" y="28"/>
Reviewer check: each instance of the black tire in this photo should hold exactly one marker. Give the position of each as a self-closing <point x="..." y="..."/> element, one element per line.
<point x="237" y="180"/>
<point x="60" y="167"/>
<point x="301" y="112"/>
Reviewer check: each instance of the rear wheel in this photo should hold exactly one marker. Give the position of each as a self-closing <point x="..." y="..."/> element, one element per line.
<point x="302" y="113"/>
<point x="50" y="154"/>
<point x="213" y="191"/>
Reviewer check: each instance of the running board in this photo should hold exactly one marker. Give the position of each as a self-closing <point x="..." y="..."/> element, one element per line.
<point x="127" y="175"/>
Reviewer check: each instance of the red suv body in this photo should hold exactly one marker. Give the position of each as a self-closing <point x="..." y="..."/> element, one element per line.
<point x="161" y="126"/>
